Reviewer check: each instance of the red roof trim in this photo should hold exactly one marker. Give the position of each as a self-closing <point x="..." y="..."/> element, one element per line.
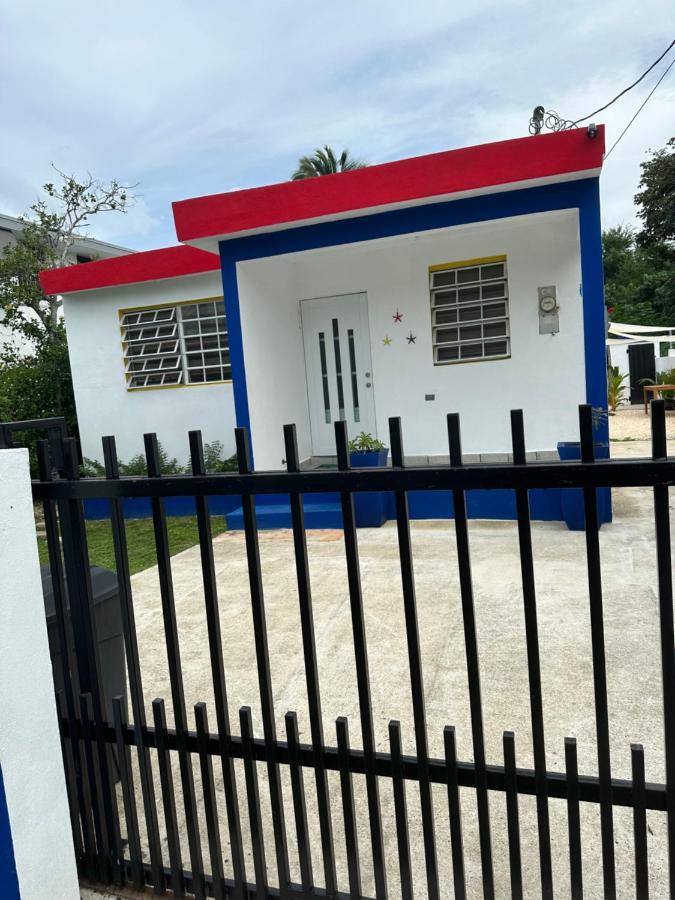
<point x="134" y="268"/>
<point x="436" y="175"/>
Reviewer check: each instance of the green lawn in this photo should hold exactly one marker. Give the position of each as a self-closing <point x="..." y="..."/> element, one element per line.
<point x="140" y="540"/>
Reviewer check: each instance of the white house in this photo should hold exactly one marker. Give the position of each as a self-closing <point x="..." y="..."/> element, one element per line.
<point x="467" y="281"/>
<point x="148" y="349"/>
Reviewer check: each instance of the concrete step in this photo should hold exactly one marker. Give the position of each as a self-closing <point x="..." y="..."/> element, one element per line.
<point x="278" y="515"/>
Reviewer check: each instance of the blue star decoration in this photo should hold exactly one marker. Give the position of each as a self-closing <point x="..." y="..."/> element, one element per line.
<point x="411" y="338"/>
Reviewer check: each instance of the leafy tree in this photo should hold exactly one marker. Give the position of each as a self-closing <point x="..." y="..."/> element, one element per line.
<point x="324" y="162"/>
<point x="656" y="198"/>
<point x="640" y="267"/>
<point x="49" y="231"/>
<point x="37" y="386"/>
<point x="639" y="281"/>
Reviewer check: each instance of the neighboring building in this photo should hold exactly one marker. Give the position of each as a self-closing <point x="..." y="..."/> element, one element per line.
<point x="467" y="281"/>
<point x="83" y="250"/>
<point x="636" y="350"/>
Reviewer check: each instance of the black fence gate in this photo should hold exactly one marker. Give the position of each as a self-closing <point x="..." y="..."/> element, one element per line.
<point x="120" y="836"/>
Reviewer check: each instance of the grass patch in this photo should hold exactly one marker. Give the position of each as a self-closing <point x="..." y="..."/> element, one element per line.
<point x="140" y="540"/>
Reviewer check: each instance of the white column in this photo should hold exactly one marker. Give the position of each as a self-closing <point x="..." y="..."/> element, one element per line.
<point x="30" y="751"/>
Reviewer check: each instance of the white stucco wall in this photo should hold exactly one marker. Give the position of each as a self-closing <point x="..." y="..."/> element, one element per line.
<point x="618" y="356"/>
<point x="105" y="406"/>
<point x="545" y="375"/>
<point x="30" y="751"/>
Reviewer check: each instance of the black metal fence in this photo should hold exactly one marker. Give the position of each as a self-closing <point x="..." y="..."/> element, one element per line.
<point x="118" y="832"/>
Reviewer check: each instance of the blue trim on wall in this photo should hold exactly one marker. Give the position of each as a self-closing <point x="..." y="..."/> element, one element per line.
<point x="9" y="882"/>
<point x="228" y="268"/>
<point x="582" y="195"/>
<point x="593" y="297"/>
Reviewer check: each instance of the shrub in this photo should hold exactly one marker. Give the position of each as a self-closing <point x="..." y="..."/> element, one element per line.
<point x="137" y="466"/>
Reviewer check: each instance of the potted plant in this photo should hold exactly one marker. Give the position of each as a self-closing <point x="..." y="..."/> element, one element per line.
<point x="365" y="451"/>
<point x="370" y="507"/>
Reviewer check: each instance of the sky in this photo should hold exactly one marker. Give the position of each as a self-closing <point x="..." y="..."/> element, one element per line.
<point x="190" y="98"/>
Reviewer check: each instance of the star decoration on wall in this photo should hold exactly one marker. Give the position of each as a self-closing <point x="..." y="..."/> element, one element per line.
<point x="386" y="341"/>
<point x="411" y="338"/>
<point x="398" y="316"/>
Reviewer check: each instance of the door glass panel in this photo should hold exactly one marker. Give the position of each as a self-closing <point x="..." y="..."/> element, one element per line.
<point x="324" y="377"/>
<point x="352" y="366"/>
<point x="338" y="370"/>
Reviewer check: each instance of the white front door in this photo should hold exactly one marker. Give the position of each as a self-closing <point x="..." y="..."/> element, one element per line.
<point x="339" y="373"/>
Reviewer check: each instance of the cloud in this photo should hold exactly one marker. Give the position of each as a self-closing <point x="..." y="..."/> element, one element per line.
<point x="197" y="98"/>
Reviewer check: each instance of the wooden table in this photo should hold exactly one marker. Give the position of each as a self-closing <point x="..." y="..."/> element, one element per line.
<point x="654" y="389"/>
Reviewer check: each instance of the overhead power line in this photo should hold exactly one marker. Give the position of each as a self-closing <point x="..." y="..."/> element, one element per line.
<point x="641" y="106"/>
<point x="629" y="88"/>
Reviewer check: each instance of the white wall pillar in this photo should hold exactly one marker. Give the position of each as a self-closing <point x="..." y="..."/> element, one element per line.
<point x="30" y="751"/>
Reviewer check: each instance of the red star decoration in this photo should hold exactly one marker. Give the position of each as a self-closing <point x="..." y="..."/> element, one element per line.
<point x="397" y="317"/>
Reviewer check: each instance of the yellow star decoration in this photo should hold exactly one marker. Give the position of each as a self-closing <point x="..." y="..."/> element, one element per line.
<point x="386" y="341"/>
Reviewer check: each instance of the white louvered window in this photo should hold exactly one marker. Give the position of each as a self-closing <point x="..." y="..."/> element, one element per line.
<point x="185" y="344"/>
<point x="470" y="312"/>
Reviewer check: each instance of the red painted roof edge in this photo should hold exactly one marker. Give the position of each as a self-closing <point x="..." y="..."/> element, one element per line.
<point x="133" y="268"/>
<point x="434" y="175"/>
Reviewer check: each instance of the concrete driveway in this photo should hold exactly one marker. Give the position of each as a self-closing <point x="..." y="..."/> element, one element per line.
<point x="633" y="661"/>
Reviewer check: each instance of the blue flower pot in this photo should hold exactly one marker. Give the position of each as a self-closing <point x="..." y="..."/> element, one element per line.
<point x="572" y="499"/>
<point x="370" y="506"/>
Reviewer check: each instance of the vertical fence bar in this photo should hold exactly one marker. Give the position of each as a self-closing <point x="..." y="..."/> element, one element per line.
<point x="533" y="659"/>
<point x="218" y="670"/>
<point x="210" y="805"/>
<point x="84" y="847"/>
<point x="400" y="811"/>
<point x="253" y="798"/>
<point x="83" y="619"/>
<point x="639" y="822"/>
<point x="512" y="818"/>
<point x="128" y="795"/>
<point x="133" y="666"/>
<point x="415" y="664"/>
<point x="176" y="880"/>
<point x="362" y="674"/>
<point x="592" y="528"/>
<point x="263" y="662"/>
<point x="667" y="630"/>
<point x="349" y="815"/>
<point x="175" y="669"/>
<point x="311" y="664"/>
<point x="454" y="812"/>
<point x="573" y="818"/>
<point x="71" y="786"/>
<point x="94" y="789"/>
<point x="472" y="661"/>
<point x="299" y="805"/>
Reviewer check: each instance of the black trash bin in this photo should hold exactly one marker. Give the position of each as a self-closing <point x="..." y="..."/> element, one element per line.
<point x="108" y="619"/>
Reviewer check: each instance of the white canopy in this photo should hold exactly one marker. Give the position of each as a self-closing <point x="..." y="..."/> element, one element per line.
<point x="630" y="334"/>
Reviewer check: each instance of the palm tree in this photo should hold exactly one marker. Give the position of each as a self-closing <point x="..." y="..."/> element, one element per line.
<point x="324" y="162"/>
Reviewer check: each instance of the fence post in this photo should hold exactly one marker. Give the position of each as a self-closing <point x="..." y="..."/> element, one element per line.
<point x="35" y="833"/>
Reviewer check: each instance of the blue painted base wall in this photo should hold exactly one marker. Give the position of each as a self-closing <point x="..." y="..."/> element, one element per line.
<point x="323" y="510"/>
<point x="373" y="509"/>
<point x="9" y="883"/>
<point x="139" y="507"/>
